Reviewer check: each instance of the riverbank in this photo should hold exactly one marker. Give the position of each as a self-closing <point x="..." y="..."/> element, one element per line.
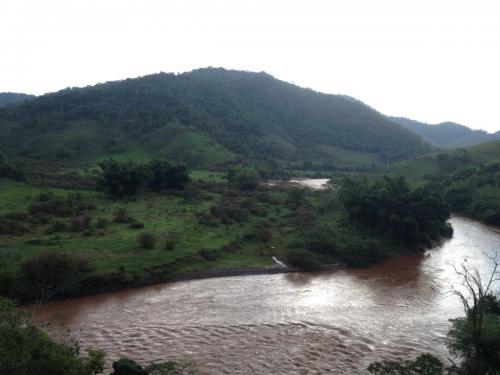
<point x="330" y="322"/>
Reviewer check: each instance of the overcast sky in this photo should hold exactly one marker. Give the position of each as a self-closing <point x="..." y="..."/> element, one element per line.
<point x="430" y="60"/>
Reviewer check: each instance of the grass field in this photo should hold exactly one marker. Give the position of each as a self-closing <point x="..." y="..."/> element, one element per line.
<point x="115" y="250"/>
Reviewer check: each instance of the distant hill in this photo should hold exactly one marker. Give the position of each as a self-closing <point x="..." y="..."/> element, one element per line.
<point x="468" y="178"/>
<point x="447" y="134"/>
<point x="9" y="98"/>
<point x="205" y="117"/>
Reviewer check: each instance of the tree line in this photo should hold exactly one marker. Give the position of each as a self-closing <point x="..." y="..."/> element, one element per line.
<point x="389" y="208"/>
<point x="121" y="179"/>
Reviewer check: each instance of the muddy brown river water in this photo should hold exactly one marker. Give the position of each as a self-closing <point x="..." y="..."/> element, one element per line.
<point x="299" y="323"/>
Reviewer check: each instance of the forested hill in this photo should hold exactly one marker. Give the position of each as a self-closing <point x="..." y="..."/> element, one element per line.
<point x="206" y="116"/>
<point x="447" y="134"/>
<point x="9" y="98"/>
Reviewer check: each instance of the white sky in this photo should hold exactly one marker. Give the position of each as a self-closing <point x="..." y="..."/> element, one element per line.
<point x="430" y="60"/>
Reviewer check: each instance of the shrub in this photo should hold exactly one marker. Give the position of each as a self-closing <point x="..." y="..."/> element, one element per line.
<point x="18" y="216"/>
<point x="122" y="216"/>
<point x="209" y="255"/>
<point x="102" y="222"/>
<point x="12" y="227"/>
<point x="147" y="240"/>
<point x="58" y="226"/>
<point x="245" y="178"/>
<point x="207" y="219"/>
<point x="302" y="259"/>
<point x="26" y="349"/>
<point x="260" y="232"/>
<point x="169" y="245"/>
<point x="126" y="366"/>
<point x="136" y="225"/>
<point x="52" y="274"/>
<point x="79" y="223"/>
<point x="170" y="240"/>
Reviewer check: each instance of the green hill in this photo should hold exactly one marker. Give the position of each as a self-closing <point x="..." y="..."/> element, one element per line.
<point x="204" y="117"/>
<point x="11" y="98"/>
<point x="469" y="178"/>
<point x="447" y="134"/>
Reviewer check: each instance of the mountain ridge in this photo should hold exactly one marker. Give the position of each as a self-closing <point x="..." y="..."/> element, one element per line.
<point x="214" y="112"/>
<point x="447" y="134"/>
<point x="12" y="98"/>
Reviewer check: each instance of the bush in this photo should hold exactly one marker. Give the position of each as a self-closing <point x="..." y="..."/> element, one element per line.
<point x="126" y="366"/>
<point x="210" y="255"/>
<point x="102" y="222"/>
<point x="260" y="232"/>
<point x="57" y="226"/>
<point x="26" y="349"/>
<point x="12" y="227"/>
<point x="122" y="216"/>
<point x="17" y="216"/>
<point x="207" y="219"/>
<point x="136" y="225"/>
<point x="52" y="274"/>
<point x="55" y="207"/>
<point x="245" y="178"/>
<point x="169" y="244"/>
<point x="424" y="364"/>
<point x="170" y="240"/>
<point x="302" y="259"/>
<point x="79" y="223"/>
<point x="147" y="240"/>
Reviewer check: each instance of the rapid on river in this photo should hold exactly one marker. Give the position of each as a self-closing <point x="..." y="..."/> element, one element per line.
<point x="334" y="322"/>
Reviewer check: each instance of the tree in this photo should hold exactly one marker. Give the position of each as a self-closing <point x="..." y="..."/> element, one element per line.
<point x="25" y="349"/>
<point x="163" y="176"/>
<point x="122" y="179"/>
<point x="476" y="337"/>
<point x="388" y="207"/>
<point x="50" y="274"/>
<point x="245" y="178"/>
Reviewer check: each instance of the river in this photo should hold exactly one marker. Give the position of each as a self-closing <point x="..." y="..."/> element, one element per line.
<point x="300" y="323"/>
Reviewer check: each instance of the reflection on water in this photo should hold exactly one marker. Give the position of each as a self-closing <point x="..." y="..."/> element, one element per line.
<point x="333" y="322"/>
<point x="309" y="183"/>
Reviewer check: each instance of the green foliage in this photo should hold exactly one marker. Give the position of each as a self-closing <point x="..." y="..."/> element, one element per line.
<point x="147" y="240"/>
<point x="390" y="208"/>
<point x="469" y="179"/>
<point x="126" y="366"/>
<point x="446" y="134"/>
<point x="8" y="170"/>
<point x="208" y="116"/>
<point x="245" y="178"/>
<point x="424" y="364"/>
<point x="95" y="361"/>
<point x="462" y="344"/>
<point x="25" y="349"/>
<point x="125" y="179"/>
<point x="51" y="274"/>
<point x="295" y="197"/>
<point x="12" y="98"/>
<point x="122" y="179"/>
<point x="167" y="176"/>
<point x="302" y="259"/>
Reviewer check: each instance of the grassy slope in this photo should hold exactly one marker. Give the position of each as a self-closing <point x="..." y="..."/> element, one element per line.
<point x="114" y="250"/>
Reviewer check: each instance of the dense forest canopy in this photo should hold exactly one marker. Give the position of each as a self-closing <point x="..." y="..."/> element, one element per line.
<point x="206" y="116"/>
<point x="10" y="98"/>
